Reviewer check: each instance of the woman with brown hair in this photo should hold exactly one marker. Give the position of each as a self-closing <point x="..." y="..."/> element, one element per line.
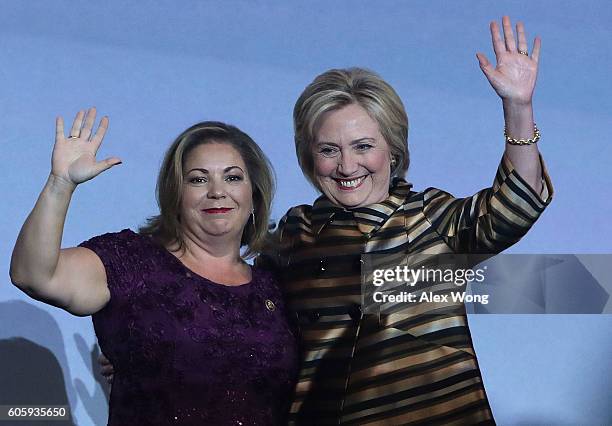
<point x="196" y="335"/>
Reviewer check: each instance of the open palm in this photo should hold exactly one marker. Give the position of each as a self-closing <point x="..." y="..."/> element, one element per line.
<point x="514" y="76"/>
<point x="74" y="157"/>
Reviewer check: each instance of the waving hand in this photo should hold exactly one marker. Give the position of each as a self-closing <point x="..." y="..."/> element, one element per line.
<point x="74" y="157"/>
<point x="514" y="76"/>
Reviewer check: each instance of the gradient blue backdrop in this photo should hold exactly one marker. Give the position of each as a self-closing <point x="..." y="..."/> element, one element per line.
<point x="156" y="67"/>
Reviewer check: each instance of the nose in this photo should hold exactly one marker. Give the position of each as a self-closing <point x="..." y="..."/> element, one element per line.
<point x="347" y="164"/>
<point x="215" y="190"/>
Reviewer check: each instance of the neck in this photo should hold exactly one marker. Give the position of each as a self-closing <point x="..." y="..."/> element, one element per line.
<point x="220" y="249"/>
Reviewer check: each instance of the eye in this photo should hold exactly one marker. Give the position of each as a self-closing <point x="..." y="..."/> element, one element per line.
<point x="198" y="180"/>
<point x="363" y="147"/>
<point x="328" y="151"/>
<point x="233" y="178"/>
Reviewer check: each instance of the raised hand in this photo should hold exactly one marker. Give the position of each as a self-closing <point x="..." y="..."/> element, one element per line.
<point x="74" y="157"/>
<point x="514" y="76"/>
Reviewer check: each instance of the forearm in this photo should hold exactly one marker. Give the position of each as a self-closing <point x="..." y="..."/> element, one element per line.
<point x="36" y="253"/>
<point x="524" y="158"/>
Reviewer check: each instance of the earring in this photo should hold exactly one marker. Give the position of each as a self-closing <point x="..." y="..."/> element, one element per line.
<point x="253" y="216"/>
<point x="393" y="161"/>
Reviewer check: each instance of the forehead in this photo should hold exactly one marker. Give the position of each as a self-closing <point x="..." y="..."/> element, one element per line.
<point x="347" y="124"/>
<point x="214" y="155"/>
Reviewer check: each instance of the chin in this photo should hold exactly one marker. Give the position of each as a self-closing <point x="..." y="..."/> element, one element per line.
<point x="218" y="231"/>
<point x="349" y="201"/>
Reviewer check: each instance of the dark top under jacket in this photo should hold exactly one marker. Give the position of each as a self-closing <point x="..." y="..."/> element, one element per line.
<point x="398" y="368"/>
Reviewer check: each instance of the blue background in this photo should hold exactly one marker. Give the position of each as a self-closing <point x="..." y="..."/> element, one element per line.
<point x="157" y="67"/>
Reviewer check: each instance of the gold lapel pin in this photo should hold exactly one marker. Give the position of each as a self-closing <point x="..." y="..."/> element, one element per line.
<point x="270" y="305"/>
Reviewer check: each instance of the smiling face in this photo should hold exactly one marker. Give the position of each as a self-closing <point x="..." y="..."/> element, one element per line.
<point x="352" y="160"/>
<point x="217" y="196"/>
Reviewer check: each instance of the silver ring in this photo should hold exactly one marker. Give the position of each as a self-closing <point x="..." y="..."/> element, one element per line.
<point x="523" y="52"/>
<point x="73" y="137"/>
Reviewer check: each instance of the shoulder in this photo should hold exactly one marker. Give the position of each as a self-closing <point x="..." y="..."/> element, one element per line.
<point x="428" y="194"/>
<point x="296" y="217"/>
<point x="301" y="212"/>
<point x="401" y="194"/>
<point x="429" y="198"/>
<point x="126" y="237"/>
<point x="119" y="249"/>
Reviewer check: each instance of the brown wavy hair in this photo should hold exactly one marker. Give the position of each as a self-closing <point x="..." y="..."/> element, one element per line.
<point x="166" y="228"/>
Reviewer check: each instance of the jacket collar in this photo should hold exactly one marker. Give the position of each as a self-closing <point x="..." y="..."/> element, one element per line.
<point x="369" y="218"/>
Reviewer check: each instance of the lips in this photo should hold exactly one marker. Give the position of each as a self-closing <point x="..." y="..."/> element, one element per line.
<point x="349" y="184"/>
<point x="218" y="210"/>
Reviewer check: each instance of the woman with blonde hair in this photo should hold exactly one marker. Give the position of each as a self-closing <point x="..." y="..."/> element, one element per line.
<point x="403" y="366"/>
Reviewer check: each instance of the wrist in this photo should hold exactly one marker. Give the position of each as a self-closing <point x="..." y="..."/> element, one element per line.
<point x="519" y="123"/>
<point x="518" y="114"/>
<point x="58" y="184"/>
<point x="515" y="106"/>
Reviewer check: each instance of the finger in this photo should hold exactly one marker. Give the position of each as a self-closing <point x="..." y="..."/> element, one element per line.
<point x="75" y="131"/>
<point x="90" y="118"/>
<point x="102" y="128"/>
<point x="508" y="34"/>
<point x="59" y="128"/>
<point x="498" y="44"/>
<point x="535" y="53"/>
<point x="522" y="39"/>
<point x="486" y="66"/>
<point x="106" y="164"/>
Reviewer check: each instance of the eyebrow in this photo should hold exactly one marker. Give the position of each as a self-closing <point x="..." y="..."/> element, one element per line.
<point x="353" y="142"/>
<point x="227" y="169"/>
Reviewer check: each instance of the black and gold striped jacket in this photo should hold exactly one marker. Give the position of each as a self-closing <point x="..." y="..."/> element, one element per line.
<point x="398" y="368"/>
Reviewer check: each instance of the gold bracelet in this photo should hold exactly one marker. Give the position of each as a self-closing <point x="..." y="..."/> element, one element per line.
<point x="512" y="141"/>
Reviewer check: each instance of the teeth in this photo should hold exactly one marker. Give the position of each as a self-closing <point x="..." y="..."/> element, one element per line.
<point x="350" y="183"/>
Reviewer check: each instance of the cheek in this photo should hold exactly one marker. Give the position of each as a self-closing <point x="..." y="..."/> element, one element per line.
<point x="324" y="166"/>
<point x="242" y="194"/>
<point x="379" y="165"/>
<point x="189" y="197"/>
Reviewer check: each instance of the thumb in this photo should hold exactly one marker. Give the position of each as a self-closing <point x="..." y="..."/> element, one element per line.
<point x="484" y="63"/>
<point x="106" y="164"/>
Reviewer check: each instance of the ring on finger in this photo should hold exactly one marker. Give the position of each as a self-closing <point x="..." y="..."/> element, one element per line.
<point x="73" y="137"/>
<point x="523" y="52"/>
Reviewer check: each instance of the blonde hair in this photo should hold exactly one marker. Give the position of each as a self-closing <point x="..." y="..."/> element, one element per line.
<point x="337" y="88"/>
<point x="166" y="228"/>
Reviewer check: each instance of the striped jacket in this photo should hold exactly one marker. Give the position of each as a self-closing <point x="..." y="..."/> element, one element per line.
<point x="396" y="368"/>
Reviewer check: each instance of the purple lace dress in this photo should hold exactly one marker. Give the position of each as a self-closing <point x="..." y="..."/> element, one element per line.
<point x="187" y="350"/>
